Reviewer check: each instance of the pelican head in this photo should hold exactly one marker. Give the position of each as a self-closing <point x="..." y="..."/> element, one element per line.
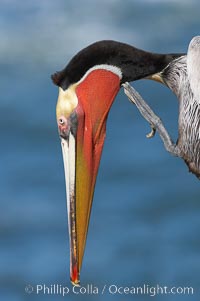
<point x="88" y="86"/>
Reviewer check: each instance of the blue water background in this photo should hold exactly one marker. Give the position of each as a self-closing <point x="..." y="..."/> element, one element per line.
<point x="145" y="219"/>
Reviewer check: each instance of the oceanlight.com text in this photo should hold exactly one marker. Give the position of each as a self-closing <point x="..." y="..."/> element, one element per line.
<point x="111" y="289"/>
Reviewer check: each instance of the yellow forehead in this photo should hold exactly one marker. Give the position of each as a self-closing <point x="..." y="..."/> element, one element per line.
<point x="67" y="101"/>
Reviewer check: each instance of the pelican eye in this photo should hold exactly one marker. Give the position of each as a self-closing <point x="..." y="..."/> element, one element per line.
<point x="61" y="121"/>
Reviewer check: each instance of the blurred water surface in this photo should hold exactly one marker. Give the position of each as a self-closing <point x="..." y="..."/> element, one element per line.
<point x="145" y="220"/>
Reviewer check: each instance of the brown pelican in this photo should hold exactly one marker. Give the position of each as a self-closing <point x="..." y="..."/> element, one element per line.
<point x="182" y="76"/>
<point x="87" y="88"/>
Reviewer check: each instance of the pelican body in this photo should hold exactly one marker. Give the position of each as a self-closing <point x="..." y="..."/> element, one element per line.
<point x="182" y="76"/>
<point x="88" y="86"/>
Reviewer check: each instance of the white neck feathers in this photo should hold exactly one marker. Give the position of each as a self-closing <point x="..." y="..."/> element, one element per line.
<point x="193" y="66"/>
